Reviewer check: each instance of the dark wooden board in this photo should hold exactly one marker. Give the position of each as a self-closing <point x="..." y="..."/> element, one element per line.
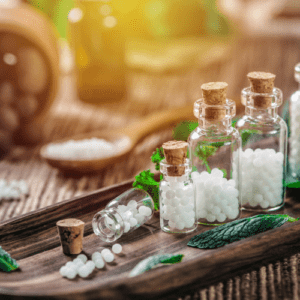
<point x="32" y="239"/>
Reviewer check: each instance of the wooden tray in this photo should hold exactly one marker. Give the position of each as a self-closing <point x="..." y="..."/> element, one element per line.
<point x="32" y="239"/>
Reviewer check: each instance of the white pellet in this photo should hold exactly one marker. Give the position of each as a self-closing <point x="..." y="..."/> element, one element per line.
<point x="145" y="211"/>
<point x="63" y="271"/>
<point x="108" y="257"/>
<point x="71" y="273"/>
<point x="126" y="227"/>
<point x="132" y="204"/>
<point x="133" y="222"/>
<point x="96" y="255"/>
<point x="82" y="257"/>
<point x="82" y="149"/>
<point x="83" y="271"/>
<point x="90" y="265"/>
<point x="117" y="248"/>
<point x="105" y="251"/>
<point x="99" y="263"/>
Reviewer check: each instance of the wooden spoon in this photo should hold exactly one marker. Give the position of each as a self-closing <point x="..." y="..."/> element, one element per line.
<point x="123" y="138"/>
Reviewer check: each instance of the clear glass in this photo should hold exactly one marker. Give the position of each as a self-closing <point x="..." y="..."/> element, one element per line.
<point x="214" y="149"/>
<point x="177" y="200"/>
<point x="96" y="35"/>
<point x="263" y="157"/>
<point x="294" y="142"/>
<point x="123" y="214"/>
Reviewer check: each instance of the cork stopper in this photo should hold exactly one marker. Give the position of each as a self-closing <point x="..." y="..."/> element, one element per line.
<point x="175" y="154"/>
<point x="214" y="93"/>
<point x="261" y="82"/>
<point x="71" y="235"/>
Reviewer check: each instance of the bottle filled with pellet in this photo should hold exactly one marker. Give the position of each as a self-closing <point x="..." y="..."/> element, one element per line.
<point x="214" y="150"/>
<point x="123" y="215"/>
<point x="264" y="136"/>
<point x="176" y="190"/>
<point x="294" y="150"/>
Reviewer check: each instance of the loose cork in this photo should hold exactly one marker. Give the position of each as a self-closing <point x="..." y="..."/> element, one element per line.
<point x="214" y="93"/>
<point x="175" y="154"/>
<point x="261" y="82"/>
<point x="71" y="235"/>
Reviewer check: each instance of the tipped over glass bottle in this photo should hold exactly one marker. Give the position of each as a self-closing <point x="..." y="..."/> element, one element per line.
<point x="176" y="190"/>
<point x="123" y="214"/>
<point x="214" y="149"/>
<point x="294" y="151"/>
<point x="264" y="135"/>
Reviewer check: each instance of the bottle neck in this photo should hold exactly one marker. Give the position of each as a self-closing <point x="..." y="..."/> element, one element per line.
<point x="259" y="113"/>
<point x="215" y="126"/>
<point x="108" y="225"/>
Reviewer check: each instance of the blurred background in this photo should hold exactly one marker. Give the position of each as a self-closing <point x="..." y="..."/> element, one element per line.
<point x="70" y="67"/>
<point x="83" y="60"/>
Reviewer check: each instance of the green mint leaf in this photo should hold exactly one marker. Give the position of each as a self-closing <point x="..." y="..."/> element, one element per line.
<point x="237" y="230"/>
<point x="150" y="262"/>
<point x="157" y="157"/>
<point x="224" y="173"/>
<point x="183" y="129"/>
<point x="7" y="263"/>
<point x="145" y="181"/>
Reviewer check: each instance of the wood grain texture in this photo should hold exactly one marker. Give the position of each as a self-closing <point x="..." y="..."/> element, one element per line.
<point x="149" y="93"/>
<point x="33" y="240"/>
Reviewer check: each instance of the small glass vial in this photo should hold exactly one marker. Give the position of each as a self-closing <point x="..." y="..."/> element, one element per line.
<point x="294" y="151"/>
<point x="124" y="214"/>
<point x="176" y="190"/>
<point x="214" y="148"/>
<point x="264" y="134"/>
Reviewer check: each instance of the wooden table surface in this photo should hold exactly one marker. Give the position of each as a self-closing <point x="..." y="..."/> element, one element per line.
<point x="149" y="93"/>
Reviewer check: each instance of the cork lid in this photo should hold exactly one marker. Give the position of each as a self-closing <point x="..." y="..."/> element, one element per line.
<point x="175" y="154"/>
<point x="261" y="82"/>
<point x="214" y="93"/>
<point x="71" y="235"/>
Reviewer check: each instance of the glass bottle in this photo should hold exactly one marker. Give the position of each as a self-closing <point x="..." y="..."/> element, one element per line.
<point x="176" y="193"/>
<point x="294" y="150"/>
<point x="264" y="135"/>
<point x="214" y="148"/>
<point x="97" y="38"/>
<point x="123" y="214"/>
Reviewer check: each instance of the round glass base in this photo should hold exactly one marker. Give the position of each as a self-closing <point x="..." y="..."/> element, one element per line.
<point x="260" y="209"/>
<point x="168" y="229"/>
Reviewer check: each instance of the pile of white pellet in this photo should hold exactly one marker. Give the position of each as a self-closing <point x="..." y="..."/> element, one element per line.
<point x="216" y="197"/>
<point x="177" y="205"/>
<point x="83" y="267"/>
<point x="294" y="155"/>
<point x="133" y="214"/>
<point x="13" y="190"/>
<point x="82" y="149"/>
<point x="262" y="175"/>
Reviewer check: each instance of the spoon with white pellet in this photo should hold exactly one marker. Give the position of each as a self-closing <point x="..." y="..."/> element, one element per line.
<point x="123" y="140"/>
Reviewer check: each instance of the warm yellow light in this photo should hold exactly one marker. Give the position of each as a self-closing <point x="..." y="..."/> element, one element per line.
<point x="10" y="3"/>
<point x="110" y="22"/>
<point x="75" y="15"/>
<point x="10" y="59"/>
<point x="105" y="10"/>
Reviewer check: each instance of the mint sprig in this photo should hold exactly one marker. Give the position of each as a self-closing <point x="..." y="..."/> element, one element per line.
<point x="238" y="230"/>
<point x="7" y="263"/>
<point x="152" y="261"/>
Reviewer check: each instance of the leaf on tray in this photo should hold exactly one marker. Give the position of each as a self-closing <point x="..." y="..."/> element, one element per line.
<point x="237" y="230"/>
<point x="152" y="261"/>
<point x="7" y="263"/>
